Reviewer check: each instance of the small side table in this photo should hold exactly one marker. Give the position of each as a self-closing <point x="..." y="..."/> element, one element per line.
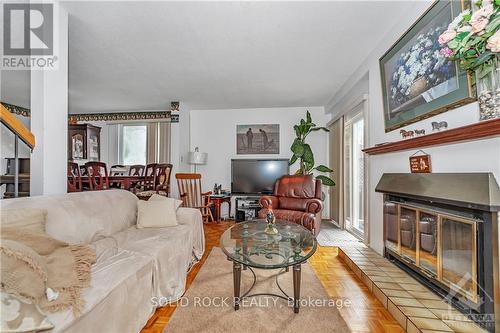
<point x="218" y="200"/>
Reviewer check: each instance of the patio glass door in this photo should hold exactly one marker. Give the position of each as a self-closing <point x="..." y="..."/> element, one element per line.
<point x="354" y="185"/>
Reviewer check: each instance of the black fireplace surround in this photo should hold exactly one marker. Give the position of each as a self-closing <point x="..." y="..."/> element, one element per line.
<point x="442" y="228"/>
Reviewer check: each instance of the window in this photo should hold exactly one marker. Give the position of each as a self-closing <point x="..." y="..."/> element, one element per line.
<point x="134" y="148"/>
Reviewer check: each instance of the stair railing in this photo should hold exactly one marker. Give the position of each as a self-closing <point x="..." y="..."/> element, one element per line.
<point x="20" y="132"/>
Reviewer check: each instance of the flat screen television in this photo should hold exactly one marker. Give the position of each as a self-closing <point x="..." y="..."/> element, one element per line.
<point x="249" y="176"/>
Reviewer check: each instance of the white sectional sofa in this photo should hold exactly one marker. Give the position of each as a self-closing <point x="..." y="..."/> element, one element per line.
<point x="133" y="265"/>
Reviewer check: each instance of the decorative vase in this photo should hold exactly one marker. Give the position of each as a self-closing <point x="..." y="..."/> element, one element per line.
<point x="488" y="92"/>
<point x="418" y="86"/>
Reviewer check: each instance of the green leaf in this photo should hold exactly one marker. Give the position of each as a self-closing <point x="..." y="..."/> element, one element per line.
<point x="297" y="147"/>
<point x="308" y="157"/>
<point x="467" y="17"/>
<point x="482" y="59"/>
<point x="326" y="180"/>
<point x="462" y="35"/>
<point x="320" y="128"/>
<point x="308" y="117"/>
<point x="453" y="44"/>
<point x="497" y="2"/>
<point x="493" y="25"/>
<point x="297" y="131"/>
<point x="293" y="159"/>
<point x="323" y="168"/>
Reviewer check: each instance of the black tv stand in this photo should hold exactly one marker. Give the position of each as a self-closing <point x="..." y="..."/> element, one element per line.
<point x="247" y="207"/>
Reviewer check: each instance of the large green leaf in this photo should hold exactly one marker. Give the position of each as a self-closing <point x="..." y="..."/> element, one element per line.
<point x="308" y="157"/>
<point x="308" y="117"/>
<point x="320" y="128"/>
<point x="297" y="131"/>
<point x="323" y="168"/>
<point x="297" y="147"/>
<point x="293" y="159"/>
<point x="326" y="180"/>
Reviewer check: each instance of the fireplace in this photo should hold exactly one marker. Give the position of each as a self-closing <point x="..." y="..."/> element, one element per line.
<point x="443" y="230"/>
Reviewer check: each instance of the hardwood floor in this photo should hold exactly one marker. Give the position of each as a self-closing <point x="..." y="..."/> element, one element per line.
<point x="365" y="314"/>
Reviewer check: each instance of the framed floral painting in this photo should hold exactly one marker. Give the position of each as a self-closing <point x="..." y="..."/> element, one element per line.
<point x="418" y="81"/>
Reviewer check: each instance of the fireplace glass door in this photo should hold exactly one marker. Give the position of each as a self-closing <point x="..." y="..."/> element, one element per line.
<point x="408" y="233"/>
<point x="428" y="237"/>
<point x="458" y="243"/>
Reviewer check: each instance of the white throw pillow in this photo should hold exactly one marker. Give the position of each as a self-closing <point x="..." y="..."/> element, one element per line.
<point x="157" y="197"/>
<point x="156" y="213"/>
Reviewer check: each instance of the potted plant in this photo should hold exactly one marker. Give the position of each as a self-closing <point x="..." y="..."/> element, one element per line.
<point x="302" y="152"/>
<point x="473" y="39"/>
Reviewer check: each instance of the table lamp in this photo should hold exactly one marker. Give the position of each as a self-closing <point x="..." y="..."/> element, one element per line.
<point x="197" y="158"/>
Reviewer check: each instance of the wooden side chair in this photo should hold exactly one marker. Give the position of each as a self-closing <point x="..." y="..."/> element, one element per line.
<point x="161" y="181"/>
<point x="117" y="170"/>
<point x="189" y="185"/>
<point x="74" y="179"/>
<point x="98" y="175"/>
<point x="136" y="170"/>
<point x="149" y="177"/>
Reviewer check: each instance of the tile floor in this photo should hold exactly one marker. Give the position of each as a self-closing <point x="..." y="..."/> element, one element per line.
<point x="415" y="307"/>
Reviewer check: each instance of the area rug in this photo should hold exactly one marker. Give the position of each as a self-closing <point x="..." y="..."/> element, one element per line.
<point x="208" y="304"/>
<point x="331" y="235"/>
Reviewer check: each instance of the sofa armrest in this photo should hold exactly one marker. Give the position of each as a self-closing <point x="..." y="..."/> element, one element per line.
<point x="314" y="206"/>
<point x="269" y="201"/>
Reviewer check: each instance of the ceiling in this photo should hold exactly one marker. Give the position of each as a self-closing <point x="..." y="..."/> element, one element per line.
<point x="130" y="56"/>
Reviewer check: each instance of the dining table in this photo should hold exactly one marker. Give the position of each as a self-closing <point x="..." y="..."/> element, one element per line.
<point x="125" y="181"/>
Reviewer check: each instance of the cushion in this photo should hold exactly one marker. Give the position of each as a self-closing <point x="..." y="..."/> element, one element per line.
<point x="82" y="217"/>
<point x="32" y="219"/>
<point x="23" y="271"/>
<point x="157" y="197"/>
<point x="157" y="213"/>
<point x="21" y="316"/>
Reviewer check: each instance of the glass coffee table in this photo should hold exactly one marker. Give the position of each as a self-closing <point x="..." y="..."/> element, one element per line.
<point x="248" y="246"/>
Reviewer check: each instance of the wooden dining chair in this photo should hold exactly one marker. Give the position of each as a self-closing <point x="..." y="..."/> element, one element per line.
<point x="74" y="178"/>
<point x="98" y="175"/>
<point x="149" y="177"/>
<point x="117" y="170"/>
<point x="189" y="185"/>
<point x="161" y="180"/>
<point x="136" y="170"/>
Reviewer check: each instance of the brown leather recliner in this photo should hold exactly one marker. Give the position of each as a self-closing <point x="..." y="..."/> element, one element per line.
<point x="295" y="199"/>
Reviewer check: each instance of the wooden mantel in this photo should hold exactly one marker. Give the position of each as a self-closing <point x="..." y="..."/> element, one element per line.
<point x="476" y="131"/>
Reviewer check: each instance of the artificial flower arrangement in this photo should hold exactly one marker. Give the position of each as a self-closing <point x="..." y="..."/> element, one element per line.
<point x="473" y="38"/>
<point x="422" y="61"/>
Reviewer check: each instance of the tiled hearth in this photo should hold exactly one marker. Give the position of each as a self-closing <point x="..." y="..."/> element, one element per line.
<point x="415" y="307"/>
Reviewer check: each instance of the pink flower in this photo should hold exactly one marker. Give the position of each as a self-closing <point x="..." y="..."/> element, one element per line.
<point x="446" y="52"/>
<point x="493" y="42"/>
<point x="485" y="11"/>
<point x="478" y="24"/>
<point x="446" y="36"/>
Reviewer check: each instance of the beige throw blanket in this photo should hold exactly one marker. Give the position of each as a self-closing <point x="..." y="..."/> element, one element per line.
<point x="68" y="268"/>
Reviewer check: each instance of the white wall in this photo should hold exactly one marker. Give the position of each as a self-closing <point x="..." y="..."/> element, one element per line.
<point x="476" y="156"/>
<point x="214" y="132"/>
